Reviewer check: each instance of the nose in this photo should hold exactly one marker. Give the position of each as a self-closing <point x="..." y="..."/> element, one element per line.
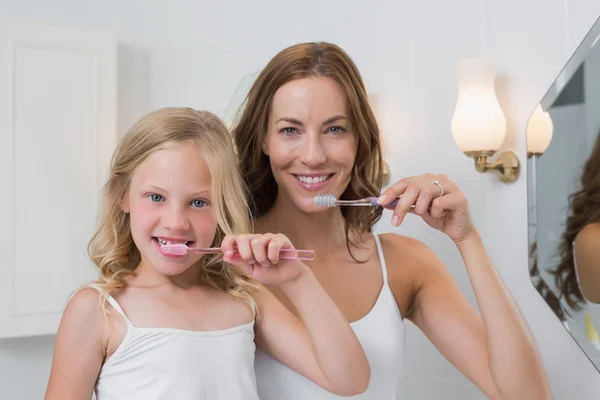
<point x="175" y="219"/>
<point x="312" y="152"/>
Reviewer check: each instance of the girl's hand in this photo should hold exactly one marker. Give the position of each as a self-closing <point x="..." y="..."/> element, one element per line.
<point x="436" y="199"/>
<point x="258" y="256"/>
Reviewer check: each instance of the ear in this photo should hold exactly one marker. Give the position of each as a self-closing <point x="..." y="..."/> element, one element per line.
<point x="265" y="149"/>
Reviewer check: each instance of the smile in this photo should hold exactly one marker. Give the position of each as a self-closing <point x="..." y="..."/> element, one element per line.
<point x="312" y="182"/>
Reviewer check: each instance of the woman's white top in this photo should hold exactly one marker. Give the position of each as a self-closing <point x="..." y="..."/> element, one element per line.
<point x="382" y="335"/>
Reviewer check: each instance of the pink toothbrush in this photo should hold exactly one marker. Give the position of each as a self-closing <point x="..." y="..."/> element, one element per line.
<point x="181" y="249"/>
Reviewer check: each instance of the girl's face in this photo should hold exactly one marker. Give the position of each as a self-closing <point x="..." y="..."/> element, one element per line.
<point x="169" y="201"/>
<point x="310" y="142"/>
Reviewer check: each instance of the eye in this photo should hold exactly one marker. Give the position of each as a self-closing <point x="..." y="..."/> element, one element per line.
<point x="289" y="131"/>
<point x="198" y="203"/>
<point x="156" y="198"/>
<point x="336" y="130"/>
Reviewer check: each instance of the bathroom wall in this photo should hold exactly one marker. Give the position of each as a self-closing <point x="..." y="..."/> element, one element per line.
<point x="194" y="53"/>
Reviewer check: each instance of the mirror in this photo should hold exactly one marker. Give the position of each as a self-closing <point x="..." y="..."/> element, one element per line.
<point x="563" y="144"/>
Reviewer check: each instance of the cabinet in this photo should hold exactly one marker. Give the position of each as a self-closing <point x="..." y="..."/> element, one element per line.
<point x="57" y="134"/>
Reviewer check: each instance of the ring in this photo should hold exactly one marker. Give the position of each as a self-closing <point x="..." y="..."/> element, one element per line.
<point x="440" y="186"/>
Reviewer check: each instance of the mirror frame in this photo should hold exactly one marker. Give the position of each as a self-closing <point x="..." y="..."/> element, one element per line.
<point x="591" y="39"/>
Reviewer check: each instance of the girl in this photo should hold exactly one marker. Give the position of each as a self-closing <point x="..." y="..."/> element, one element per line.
<point x="184" y="326"/>
<point x="307" y="128"/>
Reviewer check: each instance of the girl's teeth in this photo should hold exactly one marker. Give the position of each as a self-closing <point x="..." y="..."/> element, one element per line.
<point x="165" y="242"/>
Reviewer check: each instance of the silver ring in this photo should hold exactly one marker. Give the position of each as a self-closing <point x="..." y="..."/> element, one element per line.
<point x="440" y="186"/>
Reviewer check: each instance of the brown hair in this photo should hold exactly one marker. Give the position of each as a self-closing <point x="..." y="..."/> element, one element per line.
<point x="585" y="210"/>
<point x="303" y="61"/>
<point x="112" y="248"/>
<point x="542" y="287"/>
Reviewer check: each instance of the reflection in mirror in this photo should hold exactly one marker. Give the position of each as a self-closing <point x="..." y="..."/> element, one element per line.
<point x="563" y="145"/>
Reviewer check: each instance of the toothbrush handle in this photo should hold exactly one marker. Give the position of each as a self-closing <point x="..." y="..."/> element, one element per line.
<point x="376" y="204"/>
<point x="300" y="254"/>
<point x="307" y="255"/>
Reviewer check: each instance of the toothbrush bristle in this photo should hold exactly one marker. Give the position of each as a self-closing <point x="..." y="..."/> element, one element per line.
<point x="176" y="249"/>
<point x="325" y="200"/>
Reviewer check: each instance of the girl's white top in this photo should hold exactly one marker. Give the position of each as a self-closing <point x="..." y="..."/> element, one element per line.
<point x="166" y="363"/>
<point x="382" y="335"/>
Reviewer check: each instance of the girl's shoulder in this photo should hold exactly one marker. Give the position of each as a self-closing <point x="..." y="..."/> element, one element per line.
<point x="83" y="316"/>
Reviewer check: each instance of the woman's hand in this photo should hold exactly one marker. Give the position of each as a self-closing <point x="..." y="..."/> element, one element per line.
<point x="436" y="199"/>
<point x="258" y="256"/>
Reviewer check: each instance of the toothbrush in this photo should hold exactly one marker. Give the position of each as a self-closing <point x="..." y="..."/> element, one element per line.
<point x="181" y="249"/>
<point x="329" y="200"/>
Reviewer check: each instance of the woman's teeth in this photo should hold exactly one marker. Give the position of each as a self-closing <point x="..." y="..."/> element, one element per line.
<point x="312" y="179"/>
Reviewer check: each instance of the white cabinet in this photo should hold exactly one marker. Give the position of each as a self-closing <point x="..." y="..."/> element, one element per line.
<point x="57" y="134"/>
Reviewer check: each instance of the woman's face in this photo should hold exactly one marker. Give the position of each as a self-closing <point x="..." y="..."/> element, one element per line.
<point x="310" y="142"/>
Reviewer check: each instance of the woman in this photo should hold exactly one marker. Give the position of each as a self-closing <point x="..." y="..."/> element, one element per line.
<point x="577" y="275"/>
<point x="307" y="128"/>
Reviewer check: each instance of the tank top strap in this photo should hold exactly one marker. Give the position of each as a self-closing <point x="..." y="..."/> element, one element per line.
<point x="111" y="300"/>
<point x="381" y="259"/>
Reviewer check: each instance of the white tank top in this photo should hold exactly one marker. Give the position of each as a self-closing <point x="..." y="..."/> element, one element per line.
<point x="166" y="363"/>
<point x="382" y="335"/>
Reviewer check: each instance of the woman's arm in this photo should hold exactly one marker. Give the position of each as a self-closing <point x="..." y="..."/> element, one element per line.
<point x="78" y="349"/>
<point x="496" y="349"/>
<point x="320" y="345"/>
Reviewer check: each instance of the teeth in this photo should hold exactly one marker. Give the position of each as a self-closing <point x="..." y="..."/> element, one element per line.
<point x="311" y="180"/>
<point x="165" y="242"/>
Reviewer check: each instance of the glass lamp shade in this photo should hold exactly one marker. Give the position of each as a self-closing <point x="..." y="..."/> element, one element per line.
<point x="478" y="123"/>
<point x="539" y="131"/>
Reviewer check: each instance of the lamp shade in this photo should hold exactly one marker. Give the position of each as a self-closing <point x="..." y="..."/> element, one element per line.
<point x="539" y="131"/>
<point x="478" y="123"/>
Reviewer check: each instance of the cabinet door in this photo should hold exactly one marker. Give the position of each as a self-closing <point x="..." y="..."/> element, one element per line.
<point x="57" y="134"/>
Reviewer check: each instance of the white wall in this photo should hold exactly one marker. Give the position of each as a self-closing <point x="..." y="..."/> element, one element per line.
<point x="194" y="53"/>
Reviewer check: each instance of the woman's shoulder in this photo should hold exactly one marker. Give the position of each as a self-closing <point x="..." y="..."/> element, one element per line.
<point x="411" y="259"/>
<point x="586" y="244"/>
<point x="410" y="265"/>
<point x="587" y="258"/>
<point x="411" y="251"/>
<point x="589" y="235"/>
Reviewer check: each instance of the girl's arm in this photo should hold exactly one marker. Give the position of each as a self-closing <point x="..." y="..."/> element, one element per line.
<point x="320" y="345"/>
<point x="78" y="349"/>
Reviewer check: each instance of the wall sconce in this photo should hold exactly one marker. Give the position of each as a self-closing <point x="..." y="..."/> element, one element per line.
<point x="375" y="101"/>
<point x="385" y="173"/>
<point x="539" y="132"/>
<point x="478" y="124"/>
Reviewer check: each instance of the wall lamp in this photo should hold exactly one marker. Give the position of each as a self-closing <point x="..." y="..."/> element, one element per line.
<point x="539" y="132"/>
<point x="478" y="123"/>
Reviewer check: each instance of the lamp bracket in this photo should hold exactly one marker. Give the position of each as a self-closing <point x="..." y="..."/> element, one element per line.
<point x="506" y="165"/>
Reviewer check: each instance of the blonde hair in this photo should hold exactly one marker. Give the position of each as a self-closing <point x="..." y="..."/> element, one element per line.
<point x="112" y="248"/>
